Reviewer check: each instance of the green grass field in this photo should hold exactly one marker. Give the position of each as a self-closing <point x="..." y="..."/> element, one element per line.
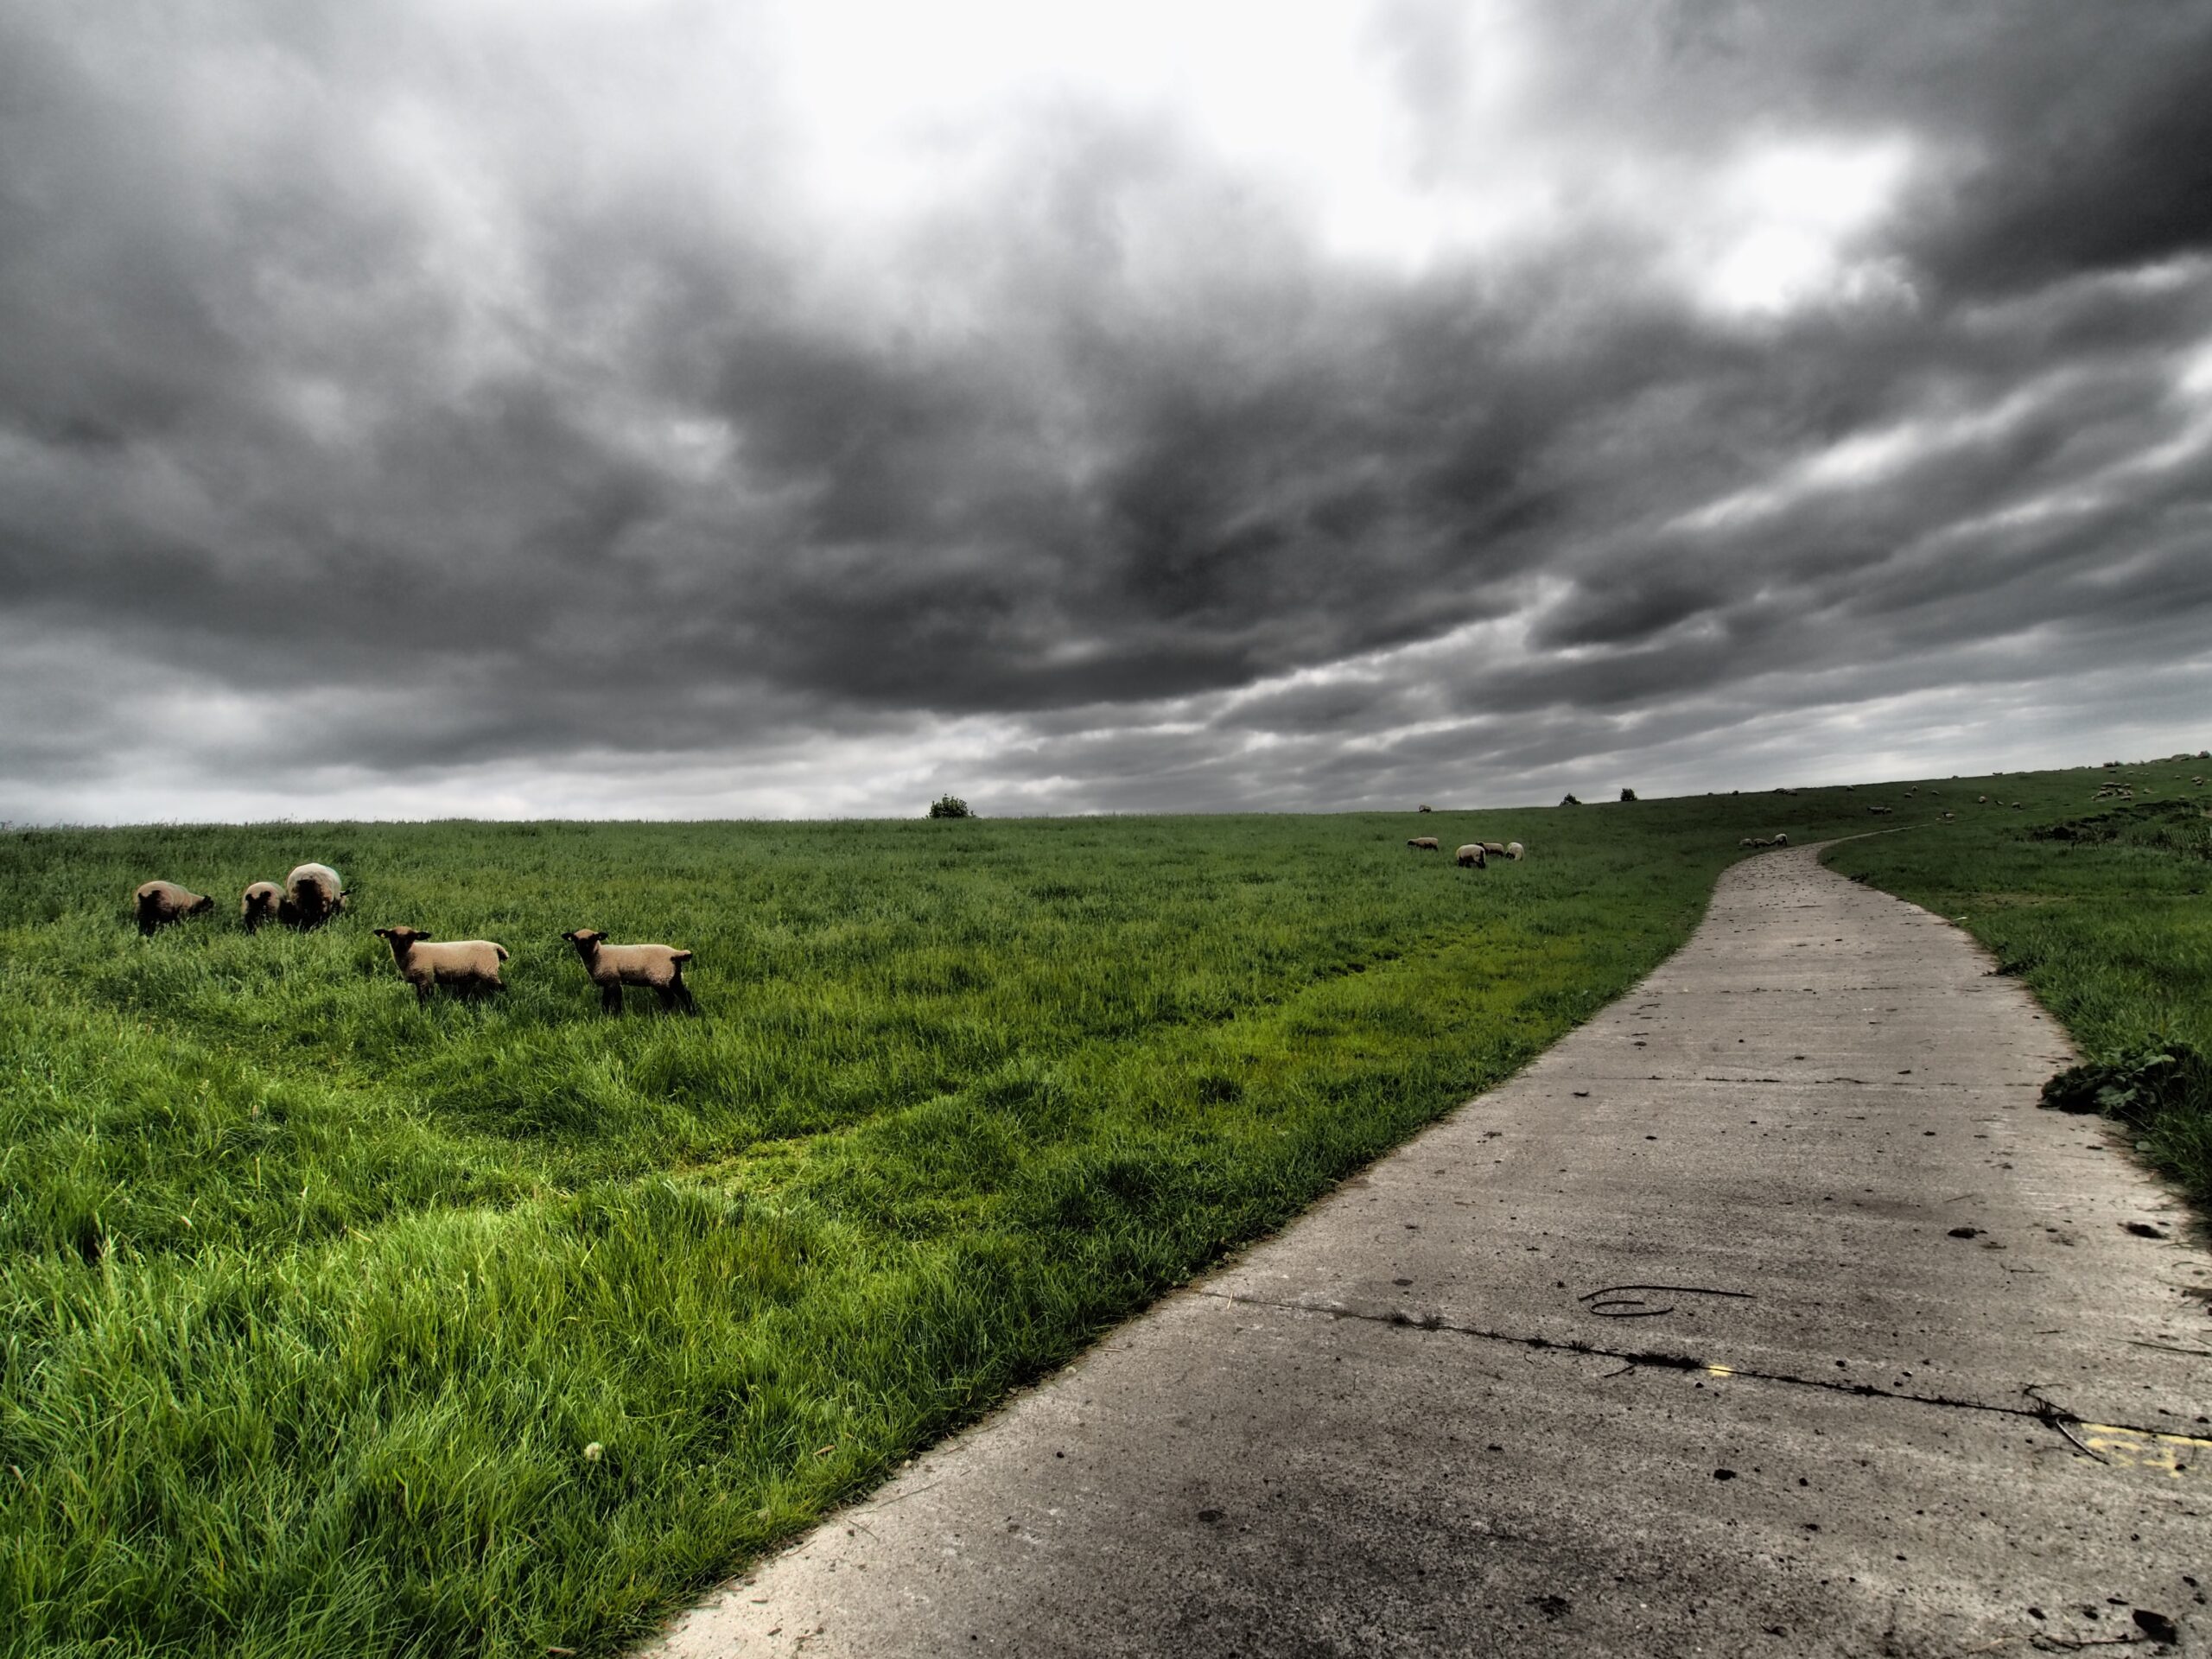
<point x="334" y="1325"/>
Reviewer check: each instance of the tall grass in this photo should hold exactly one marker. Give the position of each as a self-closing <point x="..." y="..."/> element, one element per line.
<point x="314" y="1304"/>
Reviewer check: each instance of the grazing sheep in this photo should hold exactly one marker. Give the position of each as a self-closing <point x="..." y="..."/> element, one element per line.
<point x="1494" y="849"/>
<point x="1472" y="857"/>
<point x="1424" y="809"/>
<point x="1781" y="839"/>
<point x="1425" y="844"/>
<point x="1880" y="812"/>
<point x="313" y="894"/>
<point x="465" y="964"/>
<point x="262" y="902"/>
<point x="1514" y="851"/>
<point x="160" y="903"/>
<point x="1747" y="841"/>
<point x="658" y="967"/>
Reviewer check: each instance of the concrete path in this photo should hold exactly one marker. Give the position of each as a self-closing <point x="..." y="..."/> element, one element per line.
<point x="1764" y="1314"/>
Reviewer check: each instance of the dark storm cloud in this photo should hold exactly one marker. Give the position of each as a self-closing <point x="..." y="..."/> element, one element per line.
<point x="355" y="396"/>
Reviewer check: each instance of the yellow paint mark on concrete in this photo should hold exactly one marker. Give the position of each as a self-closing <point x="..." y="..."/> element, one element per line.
<point x="2130" y="1448"/>
<point x="1721" y="1371"/>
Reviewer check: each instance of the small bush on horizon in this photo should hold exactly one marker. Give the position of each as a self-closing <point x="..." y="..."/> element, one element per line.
<point x="949" y="806"/>
<point x="1628" y="795"/>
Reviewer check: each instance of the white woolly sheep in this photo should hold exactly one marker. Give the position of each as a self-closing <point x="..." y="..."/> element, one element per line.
<point x="160" y="903"/>
<point x="659" y="967"/>
<point x="1514" y="851"/>
<point x="313" y="894"/>
<point x="466" y="964"/>
<point x="1494" y="849"/>
<point x="1781" y="839"/>
<point x="262" y="902"/>
<point x="1425" y="844"/>
<point x="1424" y="807"/>
<point x="1472" y="856"/>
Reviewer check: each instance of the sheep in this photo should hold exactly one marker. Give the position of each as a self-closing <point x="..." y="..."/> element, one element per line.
<point x="1514" y="851"/>
<point x="1472" y="856"/>
<point x="313" y="894"/>
<point x="1880" y="812"/>
<point x="160" y="903"/>
<point x="1746" y="841"/>
<point x="1425" y="844"/>
<point x="1494" y="849"/>
<point x="1424" y="808"/>
<point x="465" y="964"/>
<point x="1781" y="839"/>
<point x="262" y="902"/>
<point x="658" y="967"/>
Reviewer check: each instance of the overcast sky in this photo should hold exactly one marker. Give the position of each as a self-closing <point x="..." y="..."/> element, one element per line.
<point x="503" y="407"/>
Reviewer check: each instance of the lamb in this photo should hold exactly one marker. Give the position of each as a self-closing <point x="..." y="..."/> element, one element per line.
<point x="1514" y="851"/>
<point x="1472" y="856"/>
<point x="1425" y="844"/>
<point x="160" y="903"/>
<point x="470" y="965"/>
<point x="313" y="894"/>
<point x="658" y="967"/>
<point x="262" y="902"/>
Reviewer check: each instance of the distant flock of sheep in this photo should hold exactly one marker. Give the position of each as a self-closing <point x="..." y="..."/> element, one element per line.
<point x="312" y="895"/>
<point x="1475" y="855"/>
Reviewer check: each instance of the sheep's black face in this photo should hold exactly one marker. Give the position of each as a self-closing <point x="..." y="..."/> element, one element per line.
<point x="205" y="904"/>
<point x="584" y="937"/>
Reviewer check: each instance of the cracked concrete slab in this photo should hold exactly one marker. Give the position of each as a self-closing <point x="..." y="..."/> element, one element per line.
<point x="1766" y="1312"/>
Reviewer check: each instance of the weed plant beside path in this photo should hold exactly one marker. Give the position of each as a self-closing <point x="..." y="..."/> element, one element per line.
<point x="2101" y="907"/>
<point x="330" y="1325"/>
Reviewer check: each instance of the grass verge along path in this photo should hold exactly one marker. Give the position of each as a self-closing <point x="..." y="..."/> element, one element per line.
<point x="2101" y="906"/>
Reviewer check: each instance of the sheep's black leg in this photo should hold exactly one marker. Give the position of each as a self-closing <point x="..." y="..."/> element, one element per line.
<point x="610" y="999"/>
<point x="421" y="993"/>
<point x="667" y="997"/>
<point x="682" y="994"/>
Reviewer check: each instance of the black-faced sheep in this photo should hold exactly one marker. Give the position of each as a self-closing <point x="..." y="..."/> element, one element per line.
<point x="1494" y="849"/>
<point x="313" y="894"/>
<point x="1424" y="808"/>
<point x="466" y="964"/>
<point x="659" y="967"/>
<point x="1425" y="844"/>
<point x="1516" y="851"/>
<point x="1781" y="839"/>
<point x="262" y="902"/>
<point x="160" y="903"/>
<point x="1472" y="856"/>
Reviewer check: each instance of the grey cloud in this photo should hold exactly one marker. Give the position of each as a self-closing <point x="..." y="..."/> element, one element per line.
<point x="539" y="440"/>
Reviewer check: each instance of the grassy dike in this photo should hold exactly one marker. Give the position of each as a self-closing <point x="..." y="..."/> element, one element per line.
<point x="331" y="1325"/>
<point x="2102" y="908"/>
